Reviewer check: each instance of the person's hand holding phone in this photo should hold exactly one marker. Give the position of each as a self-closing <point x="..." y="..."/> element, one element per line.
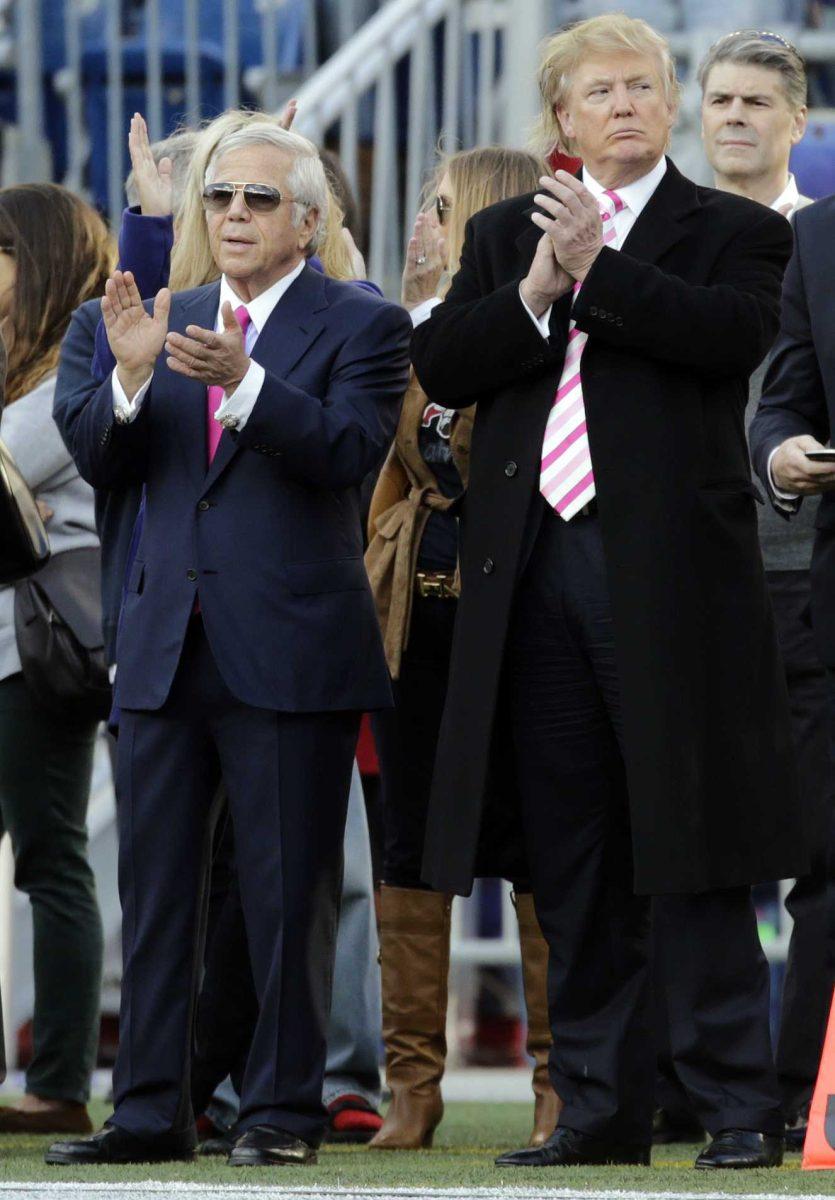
<point x="793" y="471"/>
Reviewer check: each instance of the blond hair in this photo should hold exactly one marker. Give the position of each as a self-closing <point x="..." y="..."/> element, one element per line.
<point x="192" y="262"/>
<point x="479" y="178"/>
<point x="562" y="53"/>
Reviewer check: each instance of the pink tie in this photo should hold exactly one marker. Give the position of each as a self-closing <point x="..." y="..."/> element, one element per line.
<point x="566" y="478"/>
<point x="215" y="394"/>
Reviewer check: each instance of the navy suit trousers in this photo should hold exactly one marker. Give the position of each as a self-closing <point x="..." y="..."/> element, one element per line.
<point x="287" y="777"/>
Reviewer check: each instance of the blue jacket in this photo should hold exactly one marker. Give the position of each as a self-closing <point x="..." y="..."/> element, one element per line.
<point x="116" y="510"/>
<point x="270" y="534"/>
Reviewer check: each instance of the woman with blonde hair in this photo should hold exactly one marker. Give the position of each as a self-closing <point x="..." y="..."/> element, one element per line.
<point x="55" y="253"/>
<point x="412" y="564"/>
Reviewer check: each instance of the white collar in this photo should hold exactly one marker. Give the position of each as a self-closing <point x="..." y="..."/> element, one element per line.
<point x="635" y="195"/>
<point x="789" y="195"/>
<point x="259" y="309"/>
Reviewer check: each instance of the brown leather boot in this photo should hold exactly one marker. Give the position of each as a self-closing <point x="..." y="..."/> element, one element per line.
<point x="547" y="1103"/>
<point x="414" y="953"/>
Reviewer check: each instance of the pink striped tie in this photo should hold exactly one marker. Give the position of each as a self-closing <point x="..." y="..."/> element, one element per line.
<point x="214" y="397"/>
<point x="566" y="478"/>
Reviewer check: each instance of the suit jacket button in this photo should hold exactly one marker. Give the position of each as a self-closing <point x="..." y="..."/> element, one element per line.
<point x="488" y="567"/>
<point x="191" y="575"/>
<point x="510" y="469"/>
<point x="204" y="506"/>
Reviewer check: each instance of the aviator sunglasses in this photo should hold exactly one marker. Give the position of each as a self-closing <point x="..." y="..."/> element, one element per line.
<point x="258" y="197"/>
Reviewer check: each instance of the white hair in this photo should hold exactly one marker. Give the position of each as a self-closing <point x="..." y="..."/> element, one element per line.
<point x="306" y="178"/>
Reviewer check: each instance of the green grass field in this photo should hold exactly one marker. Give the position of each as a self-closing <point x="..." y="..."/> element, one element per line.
<point x="465" y="1145"/>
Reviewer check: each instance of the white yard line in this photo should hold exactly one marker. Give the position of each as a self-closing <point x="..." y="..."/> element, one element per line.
<point x="28" y="1191"/>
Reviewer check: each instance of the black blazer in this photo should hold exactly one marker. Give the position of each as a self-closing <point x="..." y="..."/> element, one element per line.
<point x="270" y="534"/>
<point x="677" y="320"/>
<point x="799" y="389"/>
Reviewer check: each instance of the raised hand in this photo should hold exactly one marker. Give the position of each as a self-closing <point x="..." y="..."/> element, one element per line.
<point x="153" y="180"/>
<point x="574" y="224"/>
<point x="546" y="280"/>
<point x="135" y="336"/>
<point x="216" y="359"/>
<point x="288" y="114"/>
<point x="426" y="261"/>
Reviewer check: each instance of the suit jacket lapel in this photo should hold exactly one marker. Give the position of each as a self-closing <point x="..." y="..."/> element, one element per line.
<point x="189" y="395"/>
<point x="292" y="327"/>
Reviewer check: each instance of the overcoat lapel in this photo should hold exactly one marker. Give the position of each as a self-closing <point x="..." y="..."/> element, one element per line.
<point x="290" y="331"/>
<point x="661" y="223"/>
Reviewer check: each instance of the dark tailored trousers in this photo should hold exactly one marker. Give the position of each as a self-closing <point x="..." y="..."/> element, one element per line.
<point x="809" y="978"/>
<point x="287" y="778"/>
<point x="46" y="762"/>
<point x="566" y="720"/>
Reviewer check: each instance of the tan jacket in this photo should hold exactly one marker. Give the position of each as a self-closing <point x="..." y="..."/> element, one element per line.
<point x="406" y="493"/>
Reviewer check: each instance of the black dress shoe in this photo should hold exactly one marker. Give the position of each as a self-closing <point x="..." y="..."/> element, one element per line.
<point x="668" y="1128"/>
<point x="740" y="1149"/>
<point x="219" y="1147"/>
<point x="114" y="1145"/>
<point x="570" y="1148"/>
<point x="267" y="1146"/>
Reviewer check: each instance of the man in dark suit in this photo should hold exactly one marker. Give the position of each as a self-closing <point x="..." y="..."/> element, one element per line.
<point x="251" y="410"/>
<point x="614" y="644"/>
<point x="795" y="419"/>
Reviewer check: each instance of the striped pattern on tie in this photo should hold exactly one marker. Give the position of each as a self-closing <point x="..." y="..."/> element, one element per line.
<point x="566" y="478"/>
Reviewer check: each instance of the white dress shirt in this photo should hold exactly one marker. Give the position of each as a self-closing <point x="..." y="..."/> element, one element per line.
<point x="635" y="197"/>
<point x="235" y="408"/>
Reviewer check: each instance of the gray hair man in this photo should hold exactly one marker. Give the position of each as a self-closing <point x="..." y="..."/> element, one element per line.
<point x="251" y="409"/>
<point x="753" y="112"/>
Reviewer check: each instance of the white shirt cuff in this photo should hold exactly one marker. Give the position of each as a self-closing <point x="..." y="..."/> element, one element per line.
<point x="421" y="312"/>
<point x="790" y="497"/>
<point x="234" y="411"/>
<point x="540" y="322"/>
<point x="126" y="410"/>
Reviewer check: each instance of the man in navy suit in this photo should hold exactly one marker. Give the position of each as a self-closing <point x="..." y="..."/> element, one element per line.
<point x="251" y="410"/>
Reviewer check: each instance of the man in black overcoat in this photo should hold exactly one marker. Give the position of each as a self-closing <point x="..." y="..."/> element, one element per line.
<point x="615" y="659"/>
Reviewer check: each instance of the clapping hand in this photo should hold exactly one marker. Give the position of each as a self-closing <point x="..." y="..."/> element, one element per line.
<point x="573" y="222"/>
<point x="153" y="180"/>
<point x="426" y="261"/>
<point x="136" y="337"/>
<point x="216" y="359"/>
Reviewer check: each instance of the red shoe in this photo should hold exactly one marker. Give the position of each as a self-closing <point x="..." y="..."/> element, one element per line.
<point x="352" y="1120"/>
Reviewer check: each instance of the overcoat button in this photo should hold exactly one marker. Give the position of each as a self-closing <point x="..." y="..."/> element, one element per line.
<point x="593" y="311"/>
<point x="191" y="575"/>
<point x="619" y="321"/>
<point x="510" y="469"/>
<point x="488" y="566"/>
<point x="204" y="506"/>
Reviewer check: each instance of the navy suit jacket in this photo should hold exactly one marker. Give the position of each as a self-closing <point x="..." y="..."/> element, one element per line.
<point x="116" y="509"/>
<point x="799" y="390"/>
<point x="270" y="534"/>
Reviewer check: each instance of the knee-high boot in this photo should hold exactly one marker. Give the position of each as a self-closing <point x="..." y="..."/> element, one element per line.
<point x="547" y="1103"/>
<point x="414" y="953"/>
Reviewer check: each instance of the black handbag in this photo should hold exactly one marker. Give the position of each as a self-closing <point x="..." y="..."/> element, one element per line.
<point x="58" y="623"/>
<point x="24" y="546"/>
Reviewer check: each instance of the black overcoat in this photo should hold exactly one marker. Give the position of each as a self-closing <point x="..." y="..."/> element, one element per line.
<point x="677" y="320"/>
